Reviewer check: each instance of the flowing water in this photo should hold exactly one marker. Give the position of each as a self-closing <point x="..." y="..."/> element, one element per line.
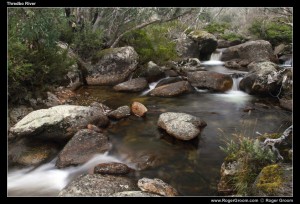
<point x="193" y="167"/>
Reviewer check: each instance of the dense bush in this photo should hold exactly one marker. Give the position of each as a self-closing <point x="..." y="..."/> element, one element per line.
<point x="152" y="44"/>
<point x="230" y="36"/>
<point x="216" y="28"/>
<point x="86" y="42"/>
<point x="251" y="156"/>
<point x="273" y="32"/>
<point x="34" y="59"/>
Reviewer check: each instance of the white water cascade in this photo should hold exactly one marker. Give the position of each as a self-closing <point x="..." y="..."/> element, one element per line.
<point x="152" y="86"/>
<point x="214" y="58"/>
<point x="47" y="180"/>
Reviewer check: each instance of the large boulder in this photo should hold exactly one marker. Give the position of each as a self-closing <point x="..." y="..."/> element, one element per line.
<point x="274" y="180"/>
<point x="207" y="43"/>
<point x="238" y="57"/>
<point x="113" y="66"/>
<point x="173" y="89"/>
<point x="133" y="85"/>
<point x="97" y="185"/>
<point x="181" y="125"/>
<point x="198" y="44"/>
<point x="156" y="186"/>
<point x="259" y="50"/>
<point x="119" y="113"/>
<point x="210" y="80"/>
<point x="262" y="79"/>
<point x="152" y="72"/>
<point x="59" y="122"/>
<point x="82" y="147"/>
<point x="186" y="47"/>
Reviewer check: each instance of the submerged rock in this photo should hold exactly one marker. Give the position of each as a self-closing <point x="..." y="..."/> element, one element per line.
<point x="133" y="85"/>
<point x="181" y="125"/>
<point x="97" y="185"/>
<point x="119" y="113"/>
<point x="82" y="147"/>
<point x="156" y="186"/>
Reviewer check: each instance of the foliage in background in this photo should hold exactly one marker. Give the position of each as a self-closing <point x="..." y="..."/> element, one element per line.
<point x="251" y="156"/>
<point x="86" y="43"/>
<point x="223" y="30"/>
<point x="152" y="43"/>
<point x="34" y="60"/>
<point x="273" y="32"/>
<point x="216" y="28"/>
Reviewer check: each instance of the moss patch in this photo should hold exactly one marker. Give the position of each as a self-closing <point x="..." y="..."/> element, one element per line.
<point x="268" y="135"/>
<point x="270" y="179"/>
<point x="201" y="35"/>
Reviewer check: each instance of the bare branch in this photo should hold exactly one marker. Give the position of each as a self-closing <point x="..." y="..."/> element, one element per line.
<point x="272" y="142"/>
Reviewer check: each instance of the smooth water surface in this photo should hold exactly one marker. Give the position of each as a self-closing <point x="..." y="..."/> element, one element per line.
<point x="193" y="167"/>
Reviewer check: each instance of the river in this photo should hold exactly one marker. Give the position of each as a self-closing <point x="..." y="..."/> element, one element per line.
<point x="193" y="168"/>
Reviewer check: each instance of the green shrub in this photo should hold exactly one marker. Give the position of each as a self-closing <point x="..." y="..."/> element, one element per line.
<point x="34" y="60"/>
<point x="251" y="157"/>
<point x="216" y="28"/>
<point x="87" y="42"/>
<point x="231" y="36"/>
<point x="152" y="44"/>
<point x="273" y="32"/>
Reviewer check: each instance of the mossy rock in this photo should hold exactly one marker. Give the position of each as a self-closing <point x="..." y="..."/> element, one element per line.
<point x="270" y="179"/>
<point x="199" y="35"/>
<point x="274" y="180"/>
<point x="263" y="137"/>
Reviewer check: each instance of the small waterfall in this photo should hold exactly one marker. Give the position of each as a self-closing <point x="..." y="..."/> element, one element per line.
<point x="152" y="86"/>
<point x="201" y="90"/>
<point x="288" y="63"/>
<point x="236" y="82"/>
<point x="215" y="58"/>
<point x="47" y="180"/>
